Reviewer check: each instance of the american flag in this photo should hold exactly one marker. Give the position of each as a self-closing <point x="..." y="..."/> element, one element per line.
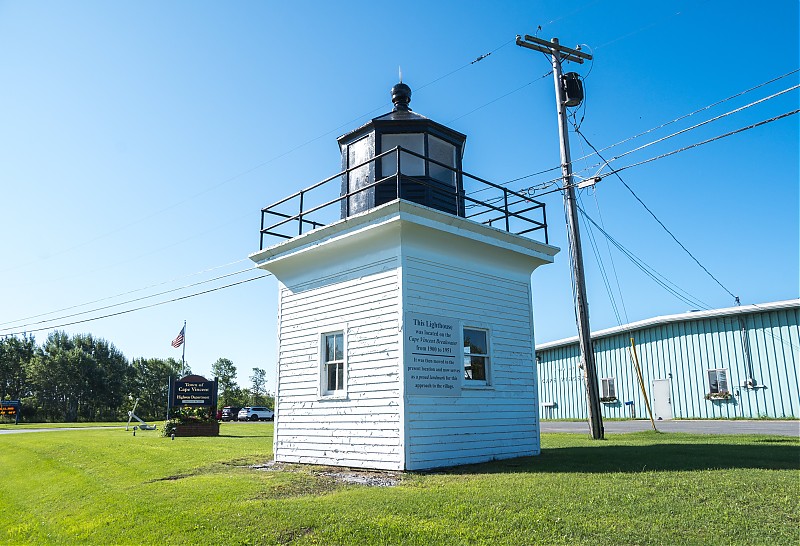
<point x="178" y="341"/>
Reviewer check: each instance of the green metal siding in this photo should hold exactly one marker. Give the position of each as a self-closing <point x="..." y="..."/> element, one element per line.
<point x="682" y="348"/>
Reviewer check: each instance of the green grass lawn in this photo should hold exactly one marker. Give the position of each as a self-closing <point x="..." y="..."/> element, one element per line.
<point x="109" y="487"/>
<point x="11" y="426"/>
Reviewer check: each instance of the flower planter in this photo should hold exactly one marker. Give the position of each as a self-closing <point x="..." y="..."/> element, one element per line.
<point x="210" y="428"/>
<point x="719" y="396"/>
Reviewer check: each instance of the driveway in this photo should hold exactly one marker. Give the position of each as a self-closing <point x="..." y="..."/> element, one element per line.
<point x="706" y="426"/>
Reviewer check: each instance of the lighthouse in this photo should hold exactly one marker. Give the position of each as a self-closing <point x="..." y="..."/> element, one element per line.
<point x="405" y="319"/>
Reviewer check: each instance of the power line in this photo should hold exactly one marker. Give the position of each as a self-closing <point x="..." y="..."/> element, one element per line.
<point x="679" y="118"/>
<point x="657" y="277"/>
<point x="253" y="168"/>
<point x="628" y="152"/>
<point x="139" y="308"/>
<point x="611" y="257"/>
<point x="501" y="97"/>
<point x="656" y="218"/>
<point x="690" y="114"/>
<point x="121" y="293"/>
<point x="601" y="266"/>
<point x="530" y="189"/>
<point x="706" y="122"/>
<point x="673" y="152"/>
<point x="129" y="301"/>
<point x="217" y="278"/>
<point x="697" y="144"/>
<point x="459" y="69"/>
<point x="604" y="163"/>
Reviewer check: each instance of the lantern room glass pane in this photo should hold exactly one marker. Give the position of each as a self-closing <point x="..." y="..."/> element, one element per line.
<point x="358" y="152"/>
<point x="443" y="152"/>
<point x="409" y="164"/>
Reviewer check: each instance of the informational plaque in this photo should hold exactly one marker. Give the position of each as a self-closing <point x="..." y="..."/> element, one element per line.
<point x="431" y="356"/>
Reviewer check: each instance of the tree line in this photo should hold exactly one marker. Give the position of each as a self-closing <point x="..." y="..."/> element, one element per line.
<point x="85" y="378"/>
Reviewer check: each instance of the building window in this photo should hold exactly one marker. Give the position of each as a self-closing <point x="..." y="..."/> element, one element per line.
<point x="476" y="355"/>
<point x="718" y="381"/>
<point x="608" y="389"/>
<point x="333" y="363"/>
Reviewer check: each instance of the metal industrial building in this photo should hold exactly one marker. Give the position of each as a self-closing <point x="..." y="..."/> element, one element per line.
<point x="725" y="363"/>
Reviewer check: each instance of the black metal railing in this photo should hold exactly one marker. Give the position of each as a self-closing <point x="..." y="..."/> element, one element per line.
<point x="497" y="206"/>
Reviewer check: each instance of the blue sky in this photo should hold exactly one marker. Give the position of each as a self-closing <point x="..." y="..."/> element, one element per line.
<point x="139" y="140"/>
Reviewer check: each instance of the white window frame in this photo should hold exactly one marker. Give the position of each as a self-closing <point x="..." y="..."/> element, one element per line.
<point x="717" y="372"/>
<point x="488" y="357"/>
<point x="605" y="382"/>
<point x="324" y="391"/>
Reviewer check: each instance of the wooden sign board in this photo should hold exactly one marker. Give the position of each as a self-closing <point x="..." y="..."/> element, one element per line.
<point x="193" y="390"/>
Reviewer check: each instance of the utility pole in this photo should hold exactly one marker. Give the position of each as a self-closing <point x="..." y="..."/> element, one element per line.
<point x="559" y="53"/>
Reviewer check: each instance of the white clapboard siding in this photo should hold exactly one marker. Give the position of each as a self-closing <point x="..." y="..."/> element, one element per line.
<point x="364" y="275"/>
<point x="482" y="423"/>
<point x="364" y="429"/>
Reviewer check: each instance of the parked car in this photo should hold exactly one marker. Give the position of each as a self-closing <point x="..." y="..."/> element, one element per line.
<point x="256" y="413"/>
<point x="230" y="413"/>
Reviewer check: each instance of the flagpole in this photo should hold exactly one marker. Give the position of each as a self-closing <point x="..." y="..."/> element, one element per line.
<point x="183" y="356"/>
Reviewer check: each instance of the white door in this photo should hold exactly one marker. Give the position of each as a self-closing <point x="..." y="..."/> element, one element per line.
<point x="662" y="399"/>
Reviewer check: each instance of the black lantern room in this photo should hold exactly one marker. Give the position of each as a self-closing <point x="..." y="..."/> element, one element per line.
<point x="429" y="162"/>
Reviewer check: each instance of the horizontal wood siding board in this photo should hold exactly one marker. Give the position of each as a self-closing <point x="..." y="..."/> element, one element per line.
<point x="480" y="424"/>
<point x="455" y="445"/>
<point x="467" y="456"/>
<point x="395" y="464"/>
<point x="297" y="298"/>
<point x="306" y="429"/>
<point x="297" y="337"/>
<point x="362" y="430"/>
<point x="362" y="307"/>
<point x="310" y="438"/>
<point x="516" y="309"/>
<point x="438" y="270"/>
<point x="349" y="276"/>
<point x="305" y="306"/>
<point x="345" y="450"/>
<point x="366" y="309"/>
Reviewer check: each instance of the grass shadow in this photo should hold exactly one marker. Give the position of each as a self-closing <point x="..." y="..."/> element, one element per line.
<point x="669" y="457"/>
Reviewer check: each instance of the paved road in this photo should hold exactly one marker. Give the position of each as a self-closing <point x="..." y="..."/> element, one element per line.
<point x="782" y="428"/>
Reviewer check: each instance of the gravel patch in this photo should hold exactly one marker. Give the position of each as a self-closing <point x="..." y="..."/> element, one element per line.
<point x="370" y="478"/>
